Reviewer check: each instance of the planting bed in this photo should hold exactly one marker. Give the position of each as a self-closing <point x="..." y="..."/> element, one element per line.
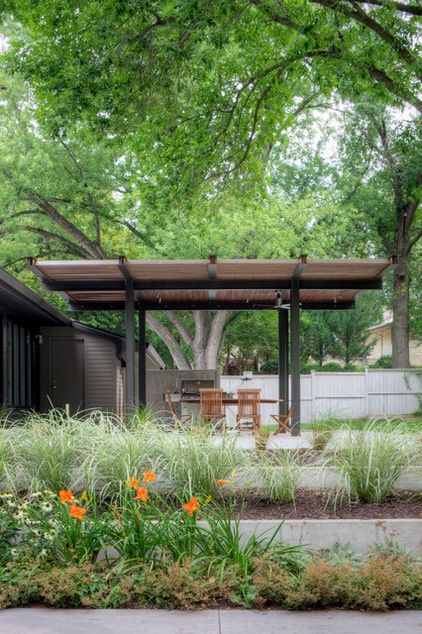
<point x="313" y="504"/>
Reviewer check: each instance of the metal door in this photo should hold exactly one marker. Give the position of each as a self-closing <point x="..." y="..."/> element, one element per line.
<point x="66" y="376"/>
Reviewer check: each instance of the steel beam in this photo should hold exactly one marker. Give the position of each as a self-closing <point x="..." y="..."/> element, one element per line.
<point x="208" y="305"/>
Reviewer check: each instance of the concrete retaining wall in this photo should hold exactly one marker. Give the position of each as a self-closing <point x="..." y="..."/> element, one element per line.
<point x="361" y="535"/>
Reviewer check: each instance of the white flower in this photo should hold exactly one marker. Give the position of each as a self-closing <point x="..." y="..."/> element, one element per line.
<point x="47" y="507"/>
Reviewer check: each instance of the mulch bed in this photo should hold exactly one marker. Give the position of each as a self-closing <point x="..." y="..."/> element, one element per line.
<point x="313" y="504"/>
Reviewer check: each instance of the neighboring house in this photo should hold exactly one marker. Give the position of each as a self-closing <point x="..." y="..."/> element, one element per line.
<point x="383" y="345"/>
<point x="48" y="359"/>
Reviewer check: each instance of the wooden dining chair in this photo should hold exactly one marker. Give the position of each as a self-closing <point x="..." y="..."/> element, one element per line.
<point x="249" y="410"/>
<point x="282" y="421"/>
<point x="180" y="422"/>
<point x="211" y="405"/>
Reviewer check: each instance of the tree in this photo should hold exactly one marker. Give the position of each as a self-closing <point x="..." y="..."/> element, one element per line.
<point x="59" y="197"/>
<point x="201" y="90"/>
<point x="383" y="171"/>
<point x="250" y="341"/>
<point x="185" y="89"/>
<point x="317" y="337"/>
<point x="366" y="157"/>
<point x="341" y="334"/>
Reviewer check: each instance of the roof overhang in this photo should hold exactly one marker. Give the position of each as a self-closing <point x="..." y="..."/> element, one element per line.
<point x="211" y="284"/>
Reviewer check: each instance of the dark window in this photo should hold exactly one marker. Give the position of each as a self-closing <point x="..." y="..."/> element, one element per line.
<point x="21" y="364"/>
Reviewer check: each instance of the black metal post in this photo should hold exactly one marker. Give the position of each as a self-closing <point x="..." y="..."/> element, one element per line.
<point x="283" y="361"/>
<point x="142" y="361"/>
<point x="295" y="356"/>
<point x="130" y="345"/>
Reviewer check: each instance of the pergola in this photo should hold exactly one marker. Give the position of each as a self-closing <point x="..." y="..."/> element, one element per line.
<point x="285" y="285"/>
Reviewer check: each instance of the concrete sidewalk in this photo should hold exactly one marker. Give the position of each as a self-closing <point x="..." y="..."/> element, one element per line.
<point x="48" y="621"/>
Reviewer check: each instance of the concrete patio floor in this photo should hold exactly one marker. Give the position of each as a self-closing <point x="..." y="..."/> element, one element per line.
<point x="40" y="620"/>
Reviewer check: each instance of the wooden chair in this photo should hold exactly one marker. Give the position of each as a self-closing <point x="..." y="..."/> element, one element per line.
<point x="180" y="422"/>
<point x="211" y="405"/>
<point x="282" y="421"/>
<point x="249" y="410"/>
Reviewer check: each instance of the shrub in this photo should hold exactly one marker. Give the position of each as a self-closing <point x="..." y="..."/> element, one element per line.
<point x="385" y="361"/>
<point x="269" y="367"/>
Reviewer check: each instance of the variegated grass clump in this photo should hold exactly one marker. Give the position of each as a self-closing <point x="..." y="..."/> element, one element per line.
<point x="6" y="454"/>
<point x="195" y="460"/>
<point x="114" y="453"/>
<point x="47" y="453"/>
<point x="279" y="475"/>
<point x="370" y="462"/>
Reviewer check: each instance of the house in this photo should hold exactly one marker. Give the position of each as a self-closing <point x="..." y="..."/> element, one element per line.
<point x="383" y="346"/>
<point x="50" y="360"/>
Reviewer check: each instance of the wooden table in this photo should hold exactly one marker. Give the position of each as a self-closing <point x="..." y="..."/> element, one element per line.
<point x="228" y="400"/>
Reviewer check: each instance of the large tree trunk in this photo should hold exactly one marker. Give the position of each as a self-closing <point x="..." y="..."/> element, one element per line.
<point x="206" y="345"/>
<point x="400" y="330"/>
<point x="209" y="337"/>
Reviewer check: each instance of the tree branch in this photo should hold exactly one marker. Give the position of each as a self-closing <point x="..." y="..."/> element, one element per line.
<point x="400" y="6"/>
<point x="180" y="327"/>
<point x="95" y="251"/>
<point x="171" y="343"/>
<point x="381" y="77"/>
<point x="139" y="234"/>
<point x="72" y="247"/>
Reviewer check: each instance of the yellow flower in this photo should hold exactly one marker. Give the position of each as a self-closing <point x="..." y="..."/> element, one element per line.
<point x="149" y="476"/>
<point x="191" y="506"/>
<point x="84" y="496"/>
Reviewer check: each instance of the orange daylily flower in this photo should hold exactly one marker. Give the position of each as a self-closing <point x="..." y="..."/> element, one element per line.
<point x="191" y="506"/>
<point x="149" y="476"/>
<point x="223" y="482"/>
<point x="133" y="482"/>
<point x="77" y="512"/>
<point x="141" y="494"/>
<point x="66" y="497"/>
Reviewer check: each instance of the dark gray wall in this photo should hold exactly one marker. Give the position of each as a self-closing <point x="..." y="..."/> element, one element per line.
<point x="158" y="381"/>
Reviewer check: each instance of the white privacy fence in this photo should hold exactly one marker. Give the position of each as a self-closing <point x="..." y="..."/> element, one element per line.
<point x="341" y="394"/>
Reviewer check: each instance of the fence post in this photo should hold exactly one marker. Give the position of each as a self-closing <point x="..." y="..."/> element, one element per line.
<point x="366" y="392"/>
<point x="312" y="395"/>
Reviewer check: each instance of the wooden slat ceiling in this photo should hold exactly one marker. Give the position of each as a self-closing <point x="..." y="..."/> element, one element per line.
<point x="211" y="284"/>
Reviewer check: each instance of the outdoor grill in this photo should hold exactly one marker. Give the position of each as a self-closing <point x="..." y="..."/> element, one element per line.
<point x="191" y="387"/>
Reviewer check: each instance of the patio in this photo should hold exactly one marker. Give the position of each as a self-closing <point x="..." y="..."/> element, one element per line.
<point x="287" y="286"/>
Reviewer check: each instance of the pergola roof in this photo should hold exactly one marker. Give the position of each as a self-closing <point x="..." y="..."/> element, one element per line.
<point x="211" y="284"/>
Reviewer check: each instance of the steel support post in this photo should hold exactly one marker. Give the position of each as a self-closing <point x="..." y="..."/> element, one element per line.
<point x="295" y="356"/>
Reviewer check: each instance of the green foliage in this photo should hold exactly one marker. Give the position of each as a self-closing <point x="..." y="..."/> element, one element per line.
<point x="385" y="361"/>
<point x="279" y="474"/>
<point x="369" y="462"/>
<point x="269" y="367"/>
